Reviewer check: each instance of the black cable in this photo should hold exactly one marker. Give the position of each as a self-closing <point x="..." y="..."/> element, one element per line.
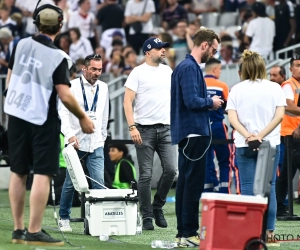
<point x="55" y="217"/>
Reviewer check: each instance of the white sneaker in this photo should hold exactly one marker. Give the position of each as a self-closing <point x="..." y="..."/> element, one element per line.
<point x="64" y="225"/>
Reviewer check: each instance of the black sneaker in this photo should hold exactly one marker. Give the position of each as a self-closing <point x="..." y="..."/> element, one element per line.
<point x="18" y="236"/>
<point x="147" y="224"/>
<point x="159" y="217"/>
<point x="41" y="239"/>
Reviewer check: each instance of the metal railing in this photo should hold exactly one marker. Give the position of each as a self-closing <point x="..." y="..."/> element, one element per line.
<point x="285" y="51"/>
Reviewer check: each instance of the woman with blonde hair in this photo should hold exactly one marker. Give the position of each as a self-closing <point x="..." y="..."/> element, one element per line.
<point x="255" y="109"/>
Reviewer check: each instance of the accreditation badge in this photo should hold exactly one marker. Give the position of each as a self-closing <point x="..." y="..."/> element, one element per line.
<point x="92" y="115"/>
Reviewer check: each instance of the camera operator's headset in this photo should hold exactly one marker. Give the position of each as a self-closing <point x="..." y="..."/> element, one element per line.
<point x="36" y="16"/>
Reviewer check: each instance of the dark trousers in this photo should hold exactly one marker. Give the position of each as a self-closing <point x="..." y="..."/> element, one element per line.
<point x="190" y="183"/>
<point x="223" y="154"/>
<point x="137" y="41"/>
<point x="282" y="181"/>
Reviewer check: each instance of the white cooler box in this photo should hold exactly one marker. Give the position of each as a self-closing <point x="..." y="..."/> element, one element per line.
<point x="107" y="211"/>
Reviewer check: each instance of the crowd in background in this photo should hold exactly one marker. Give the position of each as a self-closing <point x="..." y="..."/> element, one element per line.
<point x="106" y="27"/>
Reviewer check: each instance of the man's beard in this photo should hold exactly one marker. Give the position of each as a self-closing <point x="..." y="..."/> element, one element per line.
<point x="159" y="60"/>
<point x="205" y="57"/>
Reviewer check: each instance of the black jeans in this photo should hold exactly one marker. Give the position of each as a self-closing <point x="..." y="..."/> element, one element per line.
<point x="190" y="183"/>
<point x="282" y="181"/>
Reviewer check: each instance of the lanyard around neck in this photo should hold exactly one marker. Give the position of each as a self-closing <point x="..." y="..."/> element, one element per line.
<point x="94" y="105"/>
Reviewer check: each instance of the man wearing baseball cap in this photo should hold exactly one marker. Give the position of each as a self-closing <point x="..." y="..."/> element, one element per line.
<point x="149" y="124"/>
<point x="38" y="73"/>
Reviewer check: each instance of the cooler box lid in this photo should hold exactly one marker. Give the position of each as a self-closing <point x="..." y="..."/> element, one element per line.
<point x="75" y="169"/>
<point x="104" y="193"/>
<point x="235" y="198"/>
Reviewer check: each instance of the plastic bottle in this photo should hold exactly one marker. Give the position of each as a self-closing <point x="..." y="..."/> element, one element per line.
<point x="163" y="244"/>
<point x="103" y="237"/>
<point x="139" y="223"/>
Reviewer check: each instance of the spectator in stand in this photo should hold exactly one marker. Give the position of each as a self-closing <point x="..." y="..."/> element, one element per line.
<point x="173" y="12"/>
<point x="11" y="6"/>
<point x="270" y="8"/>
<point x="117" y="38"/>
<point x="102" y="52"/>
<point x="62" y="4"/>
<point x="133" y="11"/>
<point x="6" y="21"/>
<point x="111" y="19"/>
<point x="285" y="24"/>
<point x="80" y="46"/>
<point x="130" y="62"/>
<point x="85" y="21"/>
<point x="116" y="63"/>
<point x="226" y="53"/>
<point x="7" y="42"/>
<point x="233" y="5"/>
<point x="28" y="7"/>
<point x="246" y="15"/>
<point x="126" y="49"/>
<point x="181" y="41"/>
<point x="191" y="30"/>
<point x="204" y="6"/>
<point x="173" y="29"/>
<point x="170" y="51"/>
<point x="261" y="30"/>
<point x="64" y="43"/>
<point x="186" y="4"/>
<point x="79" y="65"/>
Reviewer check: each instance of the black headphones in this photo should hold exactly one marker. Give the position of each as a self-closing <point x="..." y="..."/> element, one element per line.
<point x="36" y="16"/>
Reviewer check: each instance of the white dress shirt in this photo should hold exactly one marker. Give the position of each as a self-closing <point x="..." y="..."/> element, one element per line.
<point x="70" y="124"/>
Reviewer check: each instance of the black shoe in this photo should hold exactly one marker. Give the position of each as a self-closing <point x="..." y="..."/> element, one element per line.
<point x="41" y="239"/>
<point x="18" y="236"/>
<point x="147" y="224"/>
<point x="159" y="217"/>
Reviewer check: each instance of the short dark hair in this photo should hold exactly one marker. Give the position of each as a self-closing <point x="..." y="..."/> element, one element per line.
<point x="49" y="29"/>
<point x="91" y="57"/>
<point x="120" y="147"/>
<point x="212" y="61"/>
<point x="77" y="31"/>
<point x="294" y="58"/>
<point x="117" y="42"/>
<point x="282" y="70"/>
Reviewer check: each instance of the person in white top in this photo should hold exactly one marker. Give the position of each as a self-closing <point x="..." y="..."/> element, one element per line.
<point x="255" y="109"/>
<point x="92" y="96"/>
<point x="149" y="124"/>
<point x="80" y="46"/>
<point x="139" y="11"/>
<point x="261" y="30"/>
<point x="85" y="21"/>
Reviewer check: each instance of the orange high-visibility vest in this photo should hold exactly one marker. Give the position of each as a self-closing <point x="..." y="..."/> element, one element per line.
<point x="290" y="122"/>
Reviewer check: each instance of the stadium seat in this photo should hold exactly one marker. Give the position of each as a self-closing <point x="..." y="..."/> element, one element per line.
<point x="232" y="29"/>
<point x="228" y="19"/>
<point x="210" y="19"/>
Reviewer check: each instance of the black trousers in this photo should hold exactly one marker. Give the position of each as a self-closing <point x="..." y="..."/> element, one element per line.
<point x="282" y="181"/>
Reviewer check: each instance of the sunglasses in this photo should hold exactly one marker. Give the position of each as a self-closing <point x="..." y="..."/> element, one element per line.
<point x="92" y="57"/>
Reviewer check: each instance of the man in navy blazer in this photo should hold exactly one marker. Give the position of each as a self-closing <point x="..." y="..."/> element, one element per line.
<point x="190" y="129"/>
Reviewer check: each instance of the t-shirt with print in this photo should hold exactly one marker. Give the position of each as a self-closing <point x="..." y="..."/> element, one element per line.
<point x="134" y="8"/>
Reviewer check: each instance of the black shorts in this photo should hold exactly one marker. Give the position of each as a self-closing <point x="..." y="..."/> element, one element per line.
<point x="33" y="146"/>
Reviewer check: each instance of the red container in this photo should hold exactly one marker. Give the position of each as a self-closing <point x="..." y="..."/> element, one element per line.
<point x="230" y="221"/>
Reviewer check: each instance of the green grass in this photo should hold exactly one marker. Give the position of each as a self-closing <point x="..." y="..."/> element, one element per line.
<point x="138" y="242"/>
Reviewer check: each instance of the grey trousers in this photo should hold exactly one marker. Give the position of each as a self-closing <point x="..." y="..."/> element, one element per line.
<point x="155" y="139"/>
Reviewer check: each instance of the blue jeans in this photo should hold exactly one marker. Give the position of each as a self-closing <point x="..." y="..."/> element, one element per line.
<point x="95" y="165"/>
<point x="190" y="184"/>
<point x="246" y="160"/>
<point x="159" y="140"/>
